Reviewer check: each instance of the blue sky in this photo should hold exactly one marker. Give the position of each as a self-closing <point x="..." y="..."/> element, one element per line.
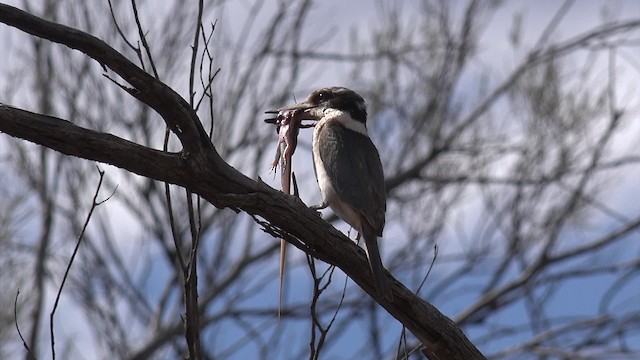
<point x="496" y="54"/>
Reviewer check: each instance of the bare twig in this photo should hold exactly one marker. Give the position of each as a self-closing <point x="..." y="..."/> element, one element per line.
<point x="135" y="49"/>
<point x="15" y="320"/>
<point x="194" y="53"/>
<point x="143" y="39"/>
<point x="94" y="204"/>
<point x="192" y="317"/>
<point x="316" y="345"/>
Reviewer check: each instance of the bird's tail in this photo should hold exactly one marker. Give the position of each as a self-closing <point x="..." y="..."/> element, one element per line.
<point x="373" y="253"/>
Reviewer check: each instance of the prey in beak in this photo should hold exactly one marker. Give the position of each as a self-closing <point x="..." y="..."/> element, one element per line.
<point x="347" y="109"/>
<point x="288" y="122"/>
<point x="348" y="169"/>
<point x="303" y="111"/>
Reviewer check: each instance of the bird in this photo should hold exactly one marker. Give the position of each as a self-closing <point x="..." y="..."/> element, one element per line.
<point x="348" y="169"/>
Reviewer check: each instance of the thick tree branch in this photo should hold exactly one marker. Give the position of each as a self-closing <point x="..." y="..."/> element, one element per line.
<point x="438" y="333"/>
<point x="174" y="109"/>
<point x="70" y="139"/>
<point x="201" y="170"/>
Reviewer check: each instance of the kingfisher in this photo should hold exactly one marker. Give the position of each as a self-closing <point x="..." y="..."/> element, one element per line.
<point x="348" y="168"/>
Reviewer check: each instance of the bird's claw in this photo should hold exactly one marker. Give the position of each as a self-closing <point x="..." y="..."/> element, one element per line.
<point x="319" y="207"/>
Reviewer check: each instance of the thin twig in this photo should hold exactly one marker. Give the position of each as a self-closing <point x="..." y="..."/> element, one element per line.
<point x="192" y="317"/>
<point x="403" y="334"/>
<point x="194" y="53"/>
<point x="15" y="320"/>
<point x="316" y="346"/>
<point x="172" y="222"/>
<point x="143" y="39"/>
<point x="553" y="24"/>
<point x="206" y="86"/>
<point x="135" y="49"/>
<point x="94" y="204"/>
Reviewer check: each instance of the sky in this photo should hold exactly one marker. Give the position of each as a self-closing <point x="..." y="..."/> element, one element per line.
<point x="343" y="16"/>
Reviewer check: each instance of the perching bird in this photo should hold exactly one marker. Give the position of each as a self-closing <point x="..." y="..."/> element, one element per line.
<point x="348" y="168"/>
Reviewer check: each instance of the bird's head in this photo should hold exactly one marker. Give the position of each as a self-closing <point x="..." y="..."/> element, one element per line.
<point x="325" y="100"/>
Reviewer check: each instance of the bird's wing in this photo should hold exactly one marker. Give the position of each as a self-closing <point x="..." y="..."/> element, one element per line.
<point x="358" y="178"/>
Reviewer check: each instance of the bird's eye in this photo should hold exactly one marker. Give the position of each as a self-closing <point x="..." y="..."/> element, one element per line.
<point x="323" y="95"/>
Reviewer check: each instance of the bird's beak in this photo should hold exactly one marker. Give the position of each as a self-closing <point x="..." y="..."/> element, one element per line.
<point x="309" y="111"/>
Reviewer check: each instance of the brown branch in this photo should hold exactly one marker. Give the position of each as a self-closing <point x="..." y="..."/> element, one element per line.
<point x="225" y="187"/>
<point x="174" y="110"/>
<point x="438" y="333"/>
<point x="203" y="172"/>
<point x="70" y="139"/>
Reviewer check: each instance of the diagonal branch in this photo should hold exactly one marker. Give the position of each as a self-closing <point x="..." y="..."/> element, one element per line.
<point x="201" y="171"/>
<point x="175" y="111"/>
<point x="70" y="139"/>
<point x="287" y="213"/>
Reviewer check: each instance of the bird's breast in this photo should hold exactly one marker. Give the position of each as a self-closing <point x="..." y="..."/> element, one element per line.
<point x="328" y="193"/>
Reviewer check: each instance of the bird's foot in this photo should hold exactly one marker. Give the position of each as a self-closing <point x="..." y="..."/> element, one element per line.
<point x="319" y="207"/>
